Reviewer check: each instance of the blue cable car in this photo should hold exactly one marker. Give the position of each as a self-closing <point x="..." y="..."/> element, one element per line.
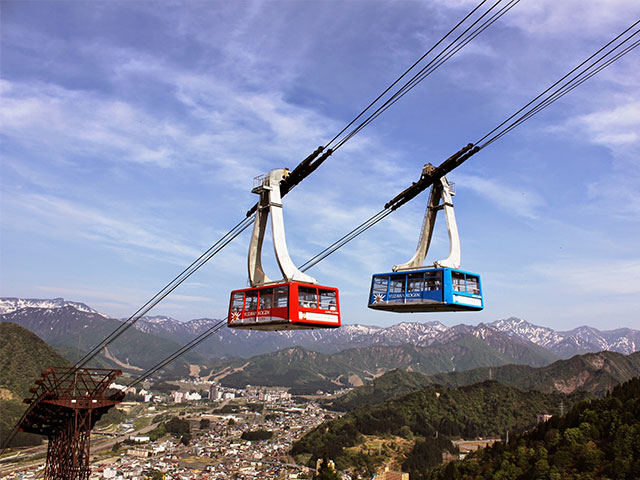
<point x="442" y="287"/>
<point x="426" y="290"/>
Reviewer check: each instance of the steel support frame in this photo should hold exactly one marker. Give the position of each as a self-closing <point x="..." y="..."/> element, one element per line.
<point x="440" y="192"/>
<point x="65" y="405"/>
<point x="69" y="452"/>
<point x="270" y="204"/>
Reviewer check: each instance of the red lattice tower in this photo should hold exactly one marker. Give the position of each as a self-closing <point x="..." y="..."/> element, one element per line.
<point x="66" y="404"/>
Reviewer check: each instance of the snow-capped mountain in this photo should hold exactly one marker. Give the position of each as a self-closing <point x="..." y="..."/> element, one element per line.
<point x="11" y="304"/>
<point x="579" y="340"/>
<point x="513" y="337"/>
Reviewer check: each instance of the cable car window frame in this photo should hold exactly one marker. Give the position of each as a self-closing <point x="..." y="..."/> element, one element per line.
<point x="249" y="301"/>
<point x="281" y="297"/>
<point x="327" y="299"/>
<point x="237" y="303"/>
<point x="308" y="297"/>
<point x="397" y="284"/>
<point x="458" y="283"/>
<point x="266" y="299"/>
<point x="414" y="287"/>
<point x="380" y="285"/>
<point x="433" y="281"/>
<point x="473" y="284"/>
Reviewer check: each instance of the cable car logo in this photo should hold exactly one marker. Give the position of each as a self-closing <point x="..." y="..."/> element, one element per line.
<point x="235" y="316"/>
<point x="379" y="297"/>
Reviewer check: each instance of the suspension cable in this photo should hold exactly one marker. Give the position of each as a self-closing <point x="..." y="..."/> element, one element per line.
<point x="430" y="174"/>
<point x="406" y="72"/>
<point x="313" y="161"/>
<point x="582" y="72"/>
<point x="455" y="46"/>
<point x="178" y="353"/>
<point x="167" y="289"/>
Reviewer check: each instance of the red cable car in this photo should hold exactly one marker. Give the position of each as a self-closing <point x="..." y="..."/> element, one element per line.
<point x="296" y="301"/>
<point x="282" y="306"/>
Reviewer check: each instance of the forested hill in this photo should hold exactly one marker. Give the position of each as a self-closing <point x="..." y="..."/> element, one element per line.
<point x="592" y="372"/>
<point x="23" y="356"/>
<point x="485" y="409"/>
<point x="596" y="439"/>
<point x="595" y="373"/>
<point x="307" y="371"/>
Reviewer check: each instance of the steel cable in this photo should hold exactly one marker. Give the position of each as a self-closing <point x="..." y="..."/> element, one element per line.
<point x="456" y="45"/>
<point x="564" y="77"/>
<point x="170" y="287"/>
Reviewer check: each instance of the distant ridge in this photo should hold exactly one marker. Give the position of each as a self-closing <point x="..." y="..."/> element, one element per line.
<point x="513" y="338"/>
<point x="594" y="373"/>
<point x="11" y="304"/>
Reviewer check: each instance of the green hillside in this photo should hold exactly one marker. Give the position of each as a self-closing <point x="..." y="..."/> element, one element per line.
<point x="598" y="439"/>
<point x="306" y="371"/>
<point x="73" y="333"/>
<point x="485" y="409"/>
<point x="395" y="383"/>
<point x="23" y="356"/>
<point x="591" y="372"/>
<point x="595" y="373"/>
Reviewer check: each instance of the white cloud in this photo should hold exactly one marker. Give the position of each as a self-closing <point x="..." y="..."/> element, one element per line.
<point x="606" y="277"/>
<point x="522" y="202"/>
<point x="546" y="18"/>
<point x="614" y="128"/>
<point x="59" y="216"/>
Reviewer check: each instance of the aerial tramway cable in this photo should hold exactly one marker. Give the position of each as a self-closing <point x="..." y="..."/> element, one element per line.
<point x="434" y="173"/>
<point x="456" y="45"/>
<point x="562" y="89"/>
<point x="311" y="163"/>
<point x="379" y="97"/>
<point x="170" y="287"/>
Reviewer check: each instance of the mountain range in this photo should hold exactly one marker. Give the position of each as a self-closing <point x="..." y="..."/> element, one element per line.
<point x="429" y="347"/>
<point x="563" y="344"/>
<point x="230" y="342"/>
<point x="590" y="373"/>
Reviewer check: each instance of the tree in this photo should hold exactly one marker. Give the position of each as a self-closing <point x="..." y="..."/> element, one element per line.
<point x="186" y="438"/>
<point x="326" y="471"/>
<point x="204" y="424"/>
<point x="177" y="426"/>
<point x="257" y="435"/>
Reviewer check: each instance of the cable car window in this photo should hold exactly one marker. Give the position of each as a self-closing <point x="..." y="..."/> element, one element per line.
<point x="327" y="299"/>
<point x="266" y="298"/>
<point x="458" y="281"/>
<point x="308" y="297"/>
<point x="396" y="285"/>
<point x="473" y="284"/>
<point x="252" y="301"/>
<point x="281" y="297"/>
<point x="433" y="280"/>
<point x="415" y="282"/>
<point x="237" y="302"/>
<point x="380" y="285"/>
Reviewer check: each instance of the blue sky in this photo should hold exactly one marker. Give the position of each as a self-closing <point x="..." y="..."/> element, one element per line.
<point x="131" y="133"/>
